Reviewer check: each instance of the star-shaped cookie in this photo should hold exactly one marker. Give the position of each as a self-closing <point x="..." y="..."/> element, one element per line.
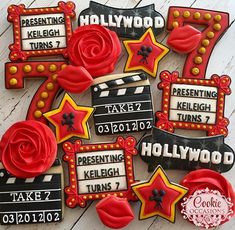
<point x="144" y="54"/>
<point x="158" y="196"/>
<point x="70" y="120"/>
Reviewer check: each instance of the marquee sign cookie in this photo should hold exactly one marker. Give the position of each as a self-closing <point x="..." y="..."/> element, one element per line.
<point x="158" y="196"/>
<point x="210" y="199"/>
<point x="129" y="23"/>
<point x="99" y="170"/>
<point x="40" y="31"/>
<point x="193" y="104"/>
<point x="70" y="120"/>
<point x="122" y="110"/>
<point x="215" y="23"/>
<point x="145" y="53"/>
<point x="177" y="152"/>
<point x="16" y="73"/>
<point x="32" y="200"/>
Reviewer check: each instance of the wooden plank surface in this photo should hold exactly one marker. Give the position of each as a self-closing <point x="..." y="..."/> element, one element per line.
<point x="14" y="104"/>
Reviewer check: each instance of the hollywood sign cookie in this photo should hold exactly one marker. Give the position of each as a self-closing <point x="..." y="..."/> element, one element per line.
<point x="130" y="23"/>
<point x="193" y="103"/>
<point x="119" y="109"/>
<point x="40" y="31"/>
<point x="32" y="200"/>
<point x="177" y="152"/>
<point x="99" y="170"/>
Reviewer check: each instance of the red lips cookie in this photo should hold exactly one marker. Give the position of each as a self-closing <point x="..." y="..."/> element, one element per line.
<point x="114" y="212"/>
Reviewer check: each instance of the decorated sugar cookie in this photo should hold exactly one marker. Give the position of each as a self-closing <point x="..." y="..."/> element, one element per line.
<point x="99" y="170"/>
<point x="145" y="53"/>
<point x="114" y="212"/>
<point x="17" y="72"/>
<point x="69" y="119"/>
<point x="172" y="151"/>
<point x="128" y="23"/>
<point x="188" y="39"/>
<point x="40" y="31"/>
<point x="28" y="149"/>
<point x="122" y="104"/>
<point x="158" y="196"/>
<point x="95" y="48"/>
<point x="193" y="104"/>
<point x="210" y="199"/>
<point x="32" y="200"/>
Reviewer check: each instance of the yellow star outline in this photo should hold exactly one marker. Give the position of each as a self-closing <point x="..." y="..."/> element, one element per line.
<point x="158" y="172"/>
<point x="165" y="50"/>
<point x="57" y="125"/>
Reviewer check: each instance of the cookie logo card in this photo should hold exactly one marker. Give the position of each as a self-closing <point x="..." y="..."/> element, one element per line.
<point x="99" y="170"/>
<point x="40" y="31"/>
<point x="129" y="23"/>
<point x="122" y="104"/>
<point x="193" y="104"/>
<point x="31" y="200"/>
<point x="177" y="152"/>
<point x="216" y="203"/>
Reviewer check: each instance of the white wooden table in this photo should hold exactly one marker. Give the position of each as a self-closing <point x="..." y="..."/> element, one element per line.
<point x="14" y="104"/>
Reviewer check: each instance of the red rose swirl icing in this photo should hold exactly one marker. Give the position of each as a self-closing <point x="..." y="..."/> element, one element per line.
<point x="28" y="148"/>
<point x="94" y="47"/>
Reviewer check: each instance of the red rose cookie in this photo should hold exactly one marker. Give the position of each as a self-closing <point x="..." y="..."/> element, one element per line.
<point x="210" y="199"/>
<point x="95" y="48"/>
<point x="28" y="148"/>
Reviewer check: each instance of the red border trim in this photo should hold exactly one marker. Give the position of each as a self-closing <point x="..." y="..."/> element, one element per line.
<point x="14" y="13"/>
<point x="222" y="83"/>
<point x="74" y="198"/>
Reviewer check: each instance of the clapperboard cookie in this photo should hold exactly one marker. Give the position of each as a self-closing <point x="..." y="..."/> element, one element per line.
<point x="32" y="200"/>
<point x="172" y="151"/>
<point x="99" y="170"/>
<point x="40" y="31"/>
<point x="122" y="104"/>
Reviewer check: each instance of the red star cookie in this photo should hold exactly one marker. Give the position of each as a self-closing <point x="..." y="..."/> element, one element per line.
<point x="145" y="53"/>
<point x="158" y="196"/>
<point x="70" y="119"/>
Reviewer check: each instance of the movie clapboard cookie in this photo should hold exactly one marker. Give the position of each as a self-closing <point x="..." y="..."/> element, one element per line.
<point x="32" y="200"/>
<point x="193" y="103"/>
<point x="144" y="53"/>
<point x="122" y="104"/>
<point x="129" y="23"/>
<point x="40" y="31"/>
<point x="172" y="151"/>
<point x="99" y="170"/>
<point x="158" y="196"/>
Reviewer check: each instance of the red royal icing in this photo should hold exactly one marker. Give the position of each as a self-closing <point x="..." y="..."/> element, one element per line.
<point x="184" y="39"/>
<point x="74" y="79"/>
<point x="206" y="178"/>
<point x="114" y="212"/>
<point x="94" y="47"/>
<point x="28" y="148"/>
